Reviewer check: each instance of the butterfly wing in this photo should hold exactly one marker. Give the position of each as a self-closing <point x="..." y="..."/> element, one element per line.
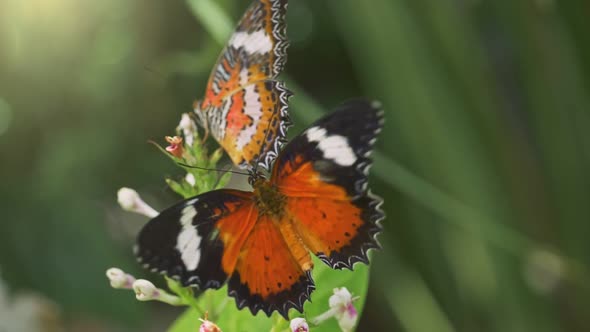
<point x="204" y="240"/>
<point x="251" y="125"/>
<point x="323" y="172"/>
<point x="242" y="98"/>
<point x="197" y="240"/>
<point x="273" y="271"/>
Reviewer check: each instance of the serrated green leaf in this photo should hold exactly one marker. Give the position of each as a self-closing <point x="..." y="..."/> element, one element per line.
<point x="223" y="311"/>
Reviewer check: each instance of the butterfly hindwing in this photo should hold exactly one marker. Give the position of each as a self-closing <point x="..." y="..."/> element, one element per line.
<point x="252" y="59"/>
<point x="323" y="173"/>
<point x="197" y="240"/>
<point x="252" y="123"/>
<point x="273" y="272"/>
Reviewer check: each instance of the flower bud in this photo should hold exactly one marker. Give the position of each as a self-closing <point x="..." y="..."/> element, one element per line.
<point x="345" y="312"/>
<point x="190" y="179"/>
<point x="175" y="148"/>
<point x="208" y="326"/>
<point x="130" y="201"/>
<point x="145" y="290"/>
<point x="341" y="308"/>
<point x="299" y="325"/>
<point x="120" y="279"/>
<point x="188" y="128"/>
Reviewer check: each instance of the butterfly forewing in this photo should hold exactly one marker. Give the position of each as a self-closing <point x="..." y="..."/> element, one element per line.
<point x="197" y="240"/>
<point x="323" y="174"/>
<point x="253" y="57"/>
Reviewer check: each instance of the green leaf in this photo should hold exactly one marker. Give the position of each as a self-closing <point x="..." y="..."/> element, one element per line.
<point x="326" y="279"/>
<point x="223" y="311"/>
<point x="188" y="321"/>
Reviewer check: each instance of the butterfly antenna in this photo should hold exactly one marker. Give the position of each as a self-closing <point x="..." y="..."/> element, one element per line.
<point x="219" y="179"/>
<point x="213" y="169"/>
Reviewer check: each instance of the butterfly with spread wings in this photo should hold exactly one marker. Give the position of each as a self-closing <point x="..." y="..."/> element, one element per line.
<point x="245" y="107"/>
<point x="259" y="242"/>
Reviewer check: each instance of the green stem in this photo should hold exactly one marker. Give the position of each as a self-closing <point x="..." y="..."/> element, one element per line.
<point x="186" y="294"/>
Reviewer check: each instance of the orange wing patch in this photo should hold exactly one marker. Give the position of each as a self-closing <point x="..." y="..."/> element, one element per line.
<point x="326" y="226"/>
<point x="273" y="272"/>
<point x="233" y="232"/>
<point x="254" y="122"/>
<point x="228" y="77"/>
<point x="300" y="179"/>
<point x="335" y="227"/>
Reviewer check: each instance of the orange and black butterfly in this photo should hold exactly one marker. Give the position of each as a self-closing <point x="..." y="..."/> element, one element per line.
<point x="243" y="100"/>
<point x="259" y="242"/>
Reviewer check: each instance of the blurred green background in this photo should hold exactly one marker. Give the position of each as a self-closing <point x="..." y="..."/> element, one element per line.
<point x="482" y="164"/>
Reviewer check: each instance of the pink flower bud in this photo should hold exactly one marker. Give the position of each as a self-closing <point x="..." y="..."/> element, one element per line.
<point x="208" y="326"/>
<point x="175" y="148"/>
<point x="299" y="325"/>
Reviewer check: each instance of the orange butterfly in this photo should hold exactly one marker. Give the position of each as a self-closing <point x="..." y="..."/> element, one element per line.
<point x="259" y="242"/>
<point x="243" y="101"/>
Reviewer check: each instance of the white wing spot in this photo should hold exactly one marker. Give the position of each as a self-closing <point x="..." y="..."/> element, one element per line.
<point x="255" y="42"/>
<point x="334" y="147"/>
<point x="253" y="109"/>
<point x="244" y="76"/>
<point x="188" y="240"/>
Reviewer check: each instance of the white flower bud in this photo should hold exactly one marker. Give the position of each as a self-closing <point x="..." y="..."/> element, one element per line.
<point x="130" y="201"/>
<point x="299" y="325"/>
<point x="145" y="290"/>
<point x="188" y="128"/>
<point x="120" y="279"/>
<point x="190" y="179"/>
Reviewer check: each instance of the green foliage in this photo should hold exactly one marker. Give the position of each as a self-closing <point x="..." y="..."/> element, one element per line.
<point x="223" y="311"/>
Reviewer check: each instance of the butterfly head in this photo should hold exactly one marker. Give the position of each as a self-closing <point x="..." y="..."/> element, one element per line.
<point x="255" y="178"/>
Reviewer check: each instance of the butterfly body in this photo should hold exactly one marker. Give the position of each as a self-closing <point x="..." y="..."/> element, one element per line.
<point x="260" y="242"/>
<point x="268" y="199"/>
<point x="245" y="107"/>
